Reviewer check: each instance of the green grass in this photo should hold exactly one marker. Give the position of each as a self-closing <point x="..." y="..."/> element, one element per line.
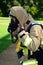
<point x="5" y="40"/>
<point x="41" y="21"/>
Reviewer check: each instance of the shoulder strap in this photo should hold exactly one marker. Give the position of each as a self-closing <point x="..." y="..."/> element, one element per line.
<point x="33" y="23"/>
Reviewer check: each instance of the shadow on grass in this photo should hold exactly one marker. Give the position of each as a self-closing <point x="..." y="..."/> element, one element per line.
<point x="5" y="42"/>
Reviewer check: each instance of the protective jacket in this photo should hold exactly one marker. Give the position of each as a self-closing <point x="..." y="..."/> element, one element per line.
<point x="35" y="31"/>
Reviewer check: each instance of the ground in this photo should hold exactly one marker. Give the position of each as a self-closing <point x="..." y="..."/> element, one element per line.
<point x="9" y="56"/>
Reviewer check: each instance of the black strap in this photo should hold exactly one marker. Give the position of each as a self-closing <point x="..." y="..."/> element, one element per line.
<point x="29" y="27"/>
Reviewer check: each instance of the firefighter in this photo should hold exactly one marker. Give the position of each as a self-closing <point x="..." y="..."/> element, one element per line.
<point x="28" y="24"/>
<point x="26" y="21"/>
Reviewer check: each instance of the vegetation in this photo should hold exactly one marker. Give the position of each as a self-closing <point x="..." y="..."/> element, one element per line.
<point x="5" y="40"/>
<point x="34" y="7"/>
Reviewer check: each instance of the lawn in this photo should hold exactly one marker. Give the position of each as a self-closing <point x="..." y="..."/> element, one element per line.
<point x="41" y="21"/>
<point x="5" y="40"/>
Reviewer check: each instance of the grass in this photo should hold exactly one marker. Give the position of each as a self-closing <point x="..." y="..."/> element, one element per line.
<point x="41" y="21"/>
<point x="5" y="40"/>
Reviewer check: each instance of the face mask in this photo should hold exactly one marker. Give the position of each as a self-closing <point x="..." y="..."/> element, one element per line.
<point x="14" y="25"/>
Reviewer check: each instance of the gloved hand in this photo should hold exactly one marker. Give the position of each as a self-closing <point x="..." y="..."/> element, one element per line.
<point x="24" y="36"/>
<point x="14" y="38"/>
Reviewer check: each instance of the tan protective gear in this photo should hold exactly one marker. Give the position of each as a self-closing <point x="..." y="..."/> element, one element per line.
<point x="21" y="14"/>
<point x="35" y="32"/>
<point x="41" y="45"/>
<point x="36" y="35"/>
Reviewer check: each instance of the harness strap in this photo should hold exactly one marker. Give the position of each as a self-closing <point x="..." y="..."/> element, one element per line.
<point x="32" y="24"/>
